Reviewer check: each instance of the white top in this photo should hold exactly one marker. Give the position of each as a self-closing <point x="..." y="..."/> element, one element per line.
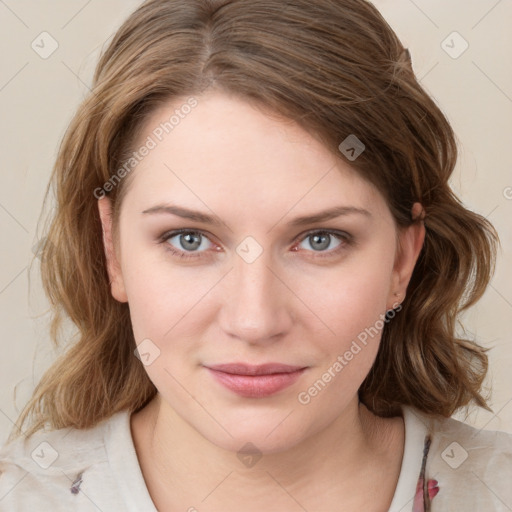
<point x="98" y="470"/>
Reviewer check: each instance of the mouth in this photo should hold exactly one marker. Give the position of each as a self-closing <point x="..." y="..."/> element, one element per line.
<point x="258" y="381"/>
<point x="262" y="369"/>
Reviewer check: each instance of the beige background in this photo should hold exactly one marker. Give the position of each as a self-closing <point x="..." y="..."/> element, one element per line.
<point x="38" y="97"/>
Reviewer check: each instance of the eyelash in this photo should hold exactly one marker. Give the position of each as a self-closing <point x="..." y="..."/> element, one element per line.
<point x="345" y="238"/>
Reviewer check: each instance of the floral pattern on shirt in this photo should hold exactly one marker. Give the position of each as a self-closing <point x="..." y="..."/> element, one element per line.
<point x="426" y="489"/>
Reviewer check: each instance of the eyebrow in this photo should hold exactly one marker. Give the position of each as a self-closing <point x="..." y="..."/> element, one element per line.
<point x="198" y="216"/>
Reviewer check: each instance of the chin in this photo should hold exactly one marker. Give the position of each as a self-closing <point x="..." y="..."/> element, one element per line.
<point x="272" y="435"/>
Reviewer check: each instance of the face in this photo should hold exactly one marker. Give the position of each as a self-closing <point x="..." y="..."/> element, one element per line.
<point x="227" y="256"/>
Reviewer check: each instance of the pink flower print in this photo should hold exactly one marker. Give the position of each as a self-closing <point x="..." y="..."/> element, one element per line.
<point x="420" y="504"/>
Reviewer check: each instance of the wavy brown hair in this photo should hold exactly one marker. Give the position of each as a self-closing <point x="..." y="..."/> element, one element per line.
<point x="336" y="68"/>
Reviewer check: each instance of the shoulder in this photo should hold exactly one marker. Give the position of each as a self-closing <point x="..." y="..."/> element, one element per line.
<point x="473" y="466"/>
<point x="46" y="468"/>
<point x="458" y="443"/>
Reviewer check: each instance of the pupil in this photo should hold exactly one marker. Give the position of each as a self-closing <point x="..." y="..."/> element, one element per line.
<point x="190" y="243"/>
<point x="322" y="241"/>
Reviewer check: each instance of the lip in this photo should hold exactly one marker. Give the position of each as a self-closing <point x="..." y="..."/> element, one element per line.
<point x="256" y="381"/>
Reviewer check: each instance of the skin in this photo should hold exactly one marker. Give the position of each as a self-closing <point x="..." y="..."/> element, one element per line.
<point x="293" y="305"/>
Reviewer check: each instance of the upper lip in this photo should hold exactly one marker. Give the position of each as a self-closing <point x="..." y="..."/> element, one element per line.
<point x="248" y="369"/>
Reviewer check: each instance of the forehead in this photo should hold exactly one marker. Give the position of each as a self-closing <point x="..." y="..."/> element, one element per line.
<point x="226" y="151"/>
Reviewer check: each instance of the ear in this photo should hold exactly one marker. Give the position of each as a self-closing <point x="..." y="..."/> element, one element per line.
<point x="410" y="243"/>
<point x="114" y="269"/>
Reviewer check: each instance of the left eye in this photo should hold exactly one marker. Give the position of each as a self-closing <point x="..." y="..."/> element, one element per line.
<point x="319" y="241"/>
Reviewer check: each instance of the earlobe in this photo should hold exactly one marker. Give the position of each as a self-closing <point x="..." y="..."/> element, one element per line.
<point x="411" y="243"/>
<point x="113" y="268"/>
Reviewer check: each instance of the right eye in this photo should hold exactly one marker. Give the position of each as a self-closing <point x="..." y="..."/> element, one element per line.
<point x="186" y="243"/>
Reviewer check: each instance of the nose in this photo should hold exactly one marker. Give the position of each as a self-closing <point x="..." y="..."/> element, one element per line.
<point x="258" y="307"/>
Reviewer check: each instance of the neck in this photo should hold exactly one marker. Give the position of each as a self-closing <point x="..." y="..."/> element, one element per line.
<point x="184" y="468"/>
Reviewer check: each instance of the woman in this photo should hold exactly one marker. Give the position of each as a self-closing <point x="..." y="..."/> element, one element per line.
<point x="257" y="242"/>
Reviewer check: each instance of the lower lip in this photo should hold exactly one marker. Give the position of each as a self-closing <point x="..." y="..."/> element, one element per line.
<point x="256" y="386"/>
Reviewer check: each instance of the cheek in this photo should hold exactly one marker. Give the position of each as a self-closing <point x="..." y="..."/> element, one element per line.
<point x="163" y="297"/>
<point x="353" y="308"/>
<point x="352" y="303"/>
<point x="353" y="297"/>
<point x="359" y="305"/>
